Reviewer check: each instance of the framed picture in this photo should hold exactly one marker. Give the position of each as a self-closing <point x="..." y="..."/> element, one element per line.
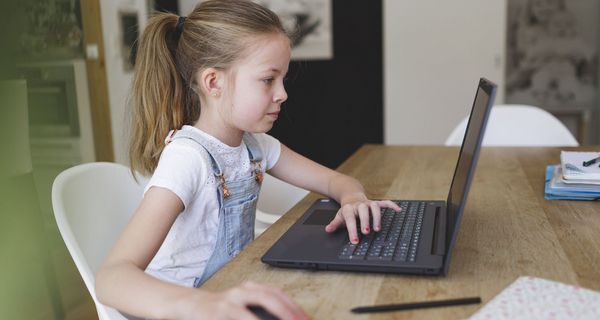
<point x="309" y="21"/>
<point x="129" y="31"/>
<point x="552" y="53"/>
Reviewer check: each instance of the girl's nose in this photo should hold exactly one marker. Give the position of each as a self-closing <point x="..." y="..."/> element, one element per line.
<point x="281" y="97"/>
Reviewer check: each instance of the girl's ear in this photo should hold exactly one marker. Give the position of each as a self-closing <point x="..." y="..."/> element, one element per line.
<point x="209" y="82"/>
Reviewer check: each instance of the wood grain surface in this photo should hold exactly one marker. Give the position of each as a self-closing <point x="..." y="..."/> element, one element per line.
<point x="508" y="230"/>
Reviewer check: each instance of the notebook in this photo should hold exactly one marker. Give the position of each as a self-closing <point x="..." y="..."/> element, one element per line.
<point x="573" y="170"/>
<point x="530" y="298"/>
<point x="417" y="240"/>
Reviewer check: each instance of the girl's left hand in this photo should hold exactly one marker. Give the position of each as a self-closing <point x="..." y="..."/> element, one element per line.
<point x="363" y="209"/>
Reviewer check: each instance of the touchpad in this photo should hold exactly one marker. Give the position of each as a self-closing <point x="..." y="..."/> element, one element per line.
<point x="320" y="217"/>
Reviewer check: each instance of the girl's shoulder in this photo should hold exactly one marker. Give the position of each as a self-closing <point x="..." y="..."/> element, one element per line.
<point x="265" y="141"/>
<point x="182" y="168"/>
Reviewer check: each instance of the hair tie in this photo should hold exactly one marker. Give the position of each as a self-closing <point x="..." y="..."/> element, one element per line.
<point x="179" y="29"/>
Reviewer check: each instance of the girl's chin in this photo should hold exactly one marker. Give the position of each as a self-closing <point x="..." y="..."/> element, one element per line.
<point x="263" y="128"/>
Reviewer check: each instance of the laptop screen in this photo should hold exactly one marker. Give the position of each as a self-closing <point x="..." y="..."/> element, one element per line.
<point x="467" y="159"/>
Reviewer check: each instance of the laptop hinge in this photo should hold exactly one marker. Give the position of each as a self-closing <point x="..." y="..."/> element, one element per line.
<point x="439" y="233"/>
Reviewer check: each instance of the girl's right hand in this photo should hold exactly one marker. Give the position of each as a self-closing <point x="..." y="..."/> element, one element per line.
<point x="234" y="303"/>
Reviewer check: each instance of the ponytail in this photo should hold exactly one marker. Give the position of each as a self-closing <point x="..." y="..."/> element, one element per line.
<point x="161" y="99"/>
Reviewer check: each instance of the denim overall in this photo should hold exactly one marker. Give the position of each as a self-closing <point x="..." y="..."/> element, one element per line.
<point x="237" y="205"/>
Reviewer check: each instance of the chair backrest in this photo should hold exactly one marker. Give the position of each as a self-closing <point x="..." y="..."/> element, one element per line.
<point x="518" y="125"/>
<point x="92" y="204"/>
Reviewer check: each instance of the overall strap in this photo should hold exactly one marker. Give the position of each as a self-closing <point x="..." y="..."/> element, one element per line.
<point x="255" y="155"/>
<point x="254" y="150"/>
<point x="199" y="139"/>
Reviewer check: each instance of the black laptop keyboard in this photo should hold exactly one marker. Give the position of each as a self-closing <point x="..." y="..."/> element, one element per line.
<point x="398" y="239"/>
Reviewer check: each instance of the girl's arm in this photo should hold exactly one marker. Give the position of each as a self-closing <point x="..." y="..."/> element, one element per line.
<point x="303" y="172"/>
<point x="122" y="283"/>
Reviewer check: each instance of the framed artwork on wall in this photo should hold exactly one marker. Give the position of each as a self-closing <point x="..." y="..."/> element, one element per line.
<point x="129" y="32"/>
<point x="309" y="21"/>
<point x="552" y="56"/>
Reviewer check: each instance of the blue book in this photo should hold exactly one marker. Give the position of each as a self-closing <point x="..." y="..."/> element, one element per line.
<point x="556" y="189"/>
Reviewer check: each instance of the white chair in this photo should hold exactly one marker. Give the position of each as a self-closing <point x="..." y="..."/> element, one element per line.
<point x="276" y="198"/>
<point x="92" y="204"/>
<point x="518" y="125"/>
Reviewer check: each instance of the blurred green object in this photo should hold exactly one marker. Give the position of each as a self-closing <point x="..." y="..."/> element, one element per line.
<point x="28" y="287"/>
<point x="24" y="291"/>
<point x="14" y="128"/>
<point x="28" y="239"/>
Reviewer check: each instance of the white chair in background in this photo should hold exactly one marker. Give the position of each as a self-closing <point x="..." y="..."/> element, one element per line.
<point x="276" y="198"/>
<point x="518" y="125"/>
<point x="92" y="204"/>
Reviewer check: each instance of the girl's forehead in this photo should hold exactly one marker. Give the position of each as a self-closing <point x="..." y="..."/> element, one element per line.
<point x="271" y="51"/>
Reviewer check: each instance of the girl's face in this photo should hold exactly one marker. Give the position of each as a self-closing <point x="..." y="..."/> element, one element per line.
<point x="257" y="90"/>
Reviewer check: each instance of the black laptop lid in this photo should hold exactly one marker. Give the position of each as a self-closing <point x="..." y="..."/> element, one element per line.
<point x="467" y="160"/>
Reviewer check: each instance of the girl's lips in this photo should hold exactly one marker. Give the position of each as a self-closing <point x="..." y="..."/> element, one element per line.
<point x="274" y="115"/>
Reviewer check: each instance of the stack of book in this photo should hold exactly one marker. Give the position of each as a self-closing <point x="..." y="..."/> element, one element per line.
<point x="577" y="177"/>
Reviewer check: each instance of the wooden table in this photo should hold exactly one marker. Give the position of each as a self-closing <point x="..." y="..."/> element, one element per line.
<point x="508" y="230"/>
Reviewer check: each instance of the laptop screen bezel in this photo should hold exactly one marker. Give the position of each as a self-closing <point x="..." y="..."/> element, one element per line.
<point x="452" y="228"/>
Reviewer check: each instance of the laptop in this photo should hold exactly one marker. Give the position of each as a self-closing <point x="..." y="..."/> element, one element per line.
<point x="417" y="240"/>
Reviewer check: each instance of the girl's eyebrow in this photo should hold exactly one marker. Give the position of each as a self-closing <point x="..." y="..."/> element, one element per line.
<point x="274" y="70"/>
<point x="280" y="72"/>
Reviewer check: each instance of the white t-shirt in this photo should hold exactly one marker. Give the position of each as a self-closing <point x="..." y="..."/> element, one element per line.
<point x="185" y="169"/>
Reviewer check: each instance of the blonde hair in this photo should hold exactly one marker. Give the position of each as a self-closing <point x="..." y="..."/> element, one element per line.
<point x="216" y="34"/>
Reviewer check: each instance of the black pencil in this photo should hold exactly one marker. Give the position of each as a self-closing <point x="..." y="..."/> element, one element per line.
<point x="417" y="305"/>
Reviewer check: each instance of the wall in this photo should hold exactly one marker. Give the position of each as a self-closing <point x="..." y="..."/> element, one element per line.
<point x="186" y="6"/>
<point x="434" y="54"/>
<point x="119" y="80"/>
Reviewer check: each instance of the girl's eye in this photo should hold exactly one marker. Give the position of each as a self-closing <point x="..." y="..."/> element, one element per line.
<point x="268" y="81"/>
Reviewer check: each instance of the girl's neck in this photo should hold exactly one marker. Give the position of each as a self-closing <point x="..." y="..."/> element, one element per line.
<point x="217" y="128"/>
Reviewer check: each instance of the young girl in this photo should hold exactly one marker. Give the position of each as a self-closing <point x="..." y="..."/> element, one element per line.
<point x="206" y="89"/>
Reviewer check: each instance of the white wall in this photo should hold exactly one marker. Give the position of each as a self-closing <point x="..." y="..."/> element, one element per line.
<point x="186" y="6"/>
<point x="119" y="80"/>
<point x="434" y="53"/>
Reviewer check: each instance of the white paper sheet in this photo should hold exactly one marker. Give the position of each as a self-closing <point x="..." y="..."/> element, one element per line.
<point x="531" y="298"/>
